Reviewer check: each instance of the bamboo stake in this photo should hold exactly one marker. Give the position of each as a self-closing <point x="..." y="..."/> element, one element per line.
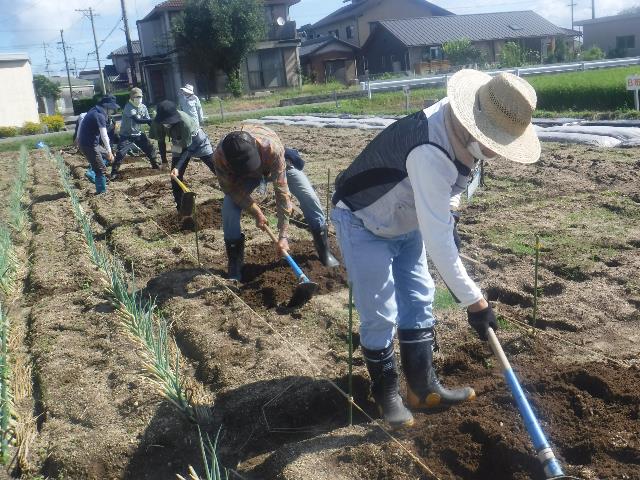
<point x="535" y="282"/>
<point x="350" y="335"/>
<point x="328" y="195"/>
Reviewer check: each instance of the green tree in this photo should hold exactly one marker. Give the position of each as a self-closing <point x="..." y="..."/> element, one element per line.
<point x="217" y="35"/>
<point x="195" y="32"/>
<point x="461" y="52"/>
<point x="243" y="27"/>
<point x="45" y="88"/>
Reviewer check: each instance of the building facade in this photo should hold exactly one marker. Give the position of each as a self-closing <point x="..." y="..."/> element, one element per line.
<point x="18" y="103"/>
<point x="416" y="44"/>
<point x="273" y="64"/>
<point x="353" y="22"/>
<point x="617" y="35"/>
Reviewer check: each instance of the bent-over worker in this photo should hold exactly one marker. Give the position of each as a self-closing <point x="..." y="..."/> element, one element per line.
<point x="394" y="200"/>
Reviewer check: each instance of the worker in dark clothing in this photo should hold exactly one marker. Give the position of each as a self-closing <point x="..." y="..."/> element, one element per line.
<point x="187" y="140"/>
<point x="134" y="115"/>
<point x="93" y="130"/>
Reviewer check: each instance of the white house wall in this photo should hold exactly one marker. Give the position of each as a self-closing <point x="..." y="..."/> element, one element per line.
<point x="17" y="97"/>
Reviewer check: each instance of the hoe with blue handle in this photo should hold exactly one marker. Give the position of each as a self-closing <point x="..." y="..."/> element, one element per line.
<point x="305" y="288"/>
<point x="545" y="455"/>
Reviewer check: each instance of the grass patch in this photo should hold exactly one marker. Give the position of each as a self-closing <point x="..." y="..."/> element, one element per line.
<point x="443" y="299"/>
<point x="53" y="140"/>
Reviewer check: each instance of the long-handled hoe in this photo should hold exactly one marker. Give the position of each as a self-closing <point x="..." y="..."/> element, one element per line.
<point x="306" y="288"/>
<point x="188" y="209"/>
<point x="552" y="469"/>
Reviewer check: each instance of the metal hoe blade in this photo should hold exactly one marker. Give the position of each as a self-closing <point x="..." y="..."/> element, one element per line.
<point x="302" y="294"/>
<point x="187" y="204"/>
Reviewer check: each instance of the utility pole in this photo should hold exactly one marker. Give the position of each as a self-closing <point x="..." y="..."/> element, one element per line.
<point x="75" y="68"/>
<point x="66" y="64"/>
<point x="95" y="42"/>
<point x="46" y="59"/>
<point x="572" y="5"/>
<point x="593" y="9"/>
<point x="132" y="62"/>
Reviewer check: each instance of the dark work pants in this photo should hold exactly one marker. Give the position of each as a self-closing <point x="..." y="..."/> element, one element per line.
<point x="93" y="154"/>
<point x="177" y="191"/>
<point x="126" y="143"/>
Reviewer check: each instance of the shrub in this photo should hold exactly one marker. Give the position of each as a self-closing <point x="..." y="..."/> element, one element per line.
<point x="461" y="52"/>
<point x="594" y="53"/>
<point x="31" y="128"/>
<point x="54" y="123"/>
<point x="86" y="104"/>
<point x="8" y="132"/>
<point x="234" y="84"/>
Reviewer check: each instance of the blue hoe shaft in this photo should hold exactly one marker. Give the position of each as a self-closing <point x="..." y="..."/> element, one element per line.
<point x="543" y="449"/>
<point x="296" y="269"/>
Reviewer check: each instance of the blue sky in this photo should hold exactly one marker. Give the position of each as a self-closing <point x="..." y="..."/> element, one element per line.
<point x="26" y="24"/>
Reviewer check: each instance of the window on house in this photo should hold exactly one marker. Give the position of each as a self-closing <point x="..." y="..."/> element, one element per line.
<point x="627" y="41"/>
<point x="350" y="31"/>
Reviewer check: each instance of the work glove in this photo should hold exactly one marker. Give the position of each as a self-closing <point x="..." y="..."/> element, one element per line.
<point x="482" y="320"/>
<point x="456" y="237"/>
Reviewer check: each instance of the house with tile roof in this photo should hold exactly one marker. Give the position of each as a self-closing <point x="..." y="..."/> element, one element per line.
<point x="412" y="44"/>
<point x="352" y="23"/>
<point x="273" y="64"/>
<point x="120" y="59"/>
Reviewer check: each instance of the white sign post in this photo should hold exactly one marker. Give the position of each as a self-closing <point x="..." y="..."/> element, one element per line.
<point x="633" y="83"/>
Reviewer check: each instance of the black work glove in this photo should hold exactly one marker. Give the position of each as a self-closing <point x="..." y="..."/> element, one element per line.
<point x="456" y="237"/>
<point x="482" y="320"/>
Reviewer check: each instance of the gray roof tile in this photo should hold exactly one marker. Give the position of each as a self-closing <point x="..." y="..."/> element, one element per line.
<point x="475" y="27"/>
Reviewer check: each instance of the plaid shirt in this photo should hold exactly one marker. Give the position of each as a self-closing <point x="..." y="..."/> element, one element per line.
<point x="273" y="169"/>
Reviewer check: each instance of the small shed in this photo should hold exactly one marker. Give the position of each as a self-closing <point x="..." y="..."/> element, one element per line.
<point x="17" y="96"/>
<point x="328" y="58"/>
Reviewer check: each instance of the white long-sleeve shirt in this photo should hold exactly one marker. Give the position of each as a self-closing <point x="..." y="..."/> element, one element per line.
<point x="423" y="200"/>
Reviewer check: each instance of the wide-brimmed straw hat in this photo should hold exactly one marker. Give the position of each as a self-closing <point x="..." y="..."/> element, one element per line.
<point x="497" y="112"/>
<point x="188" y="89"/>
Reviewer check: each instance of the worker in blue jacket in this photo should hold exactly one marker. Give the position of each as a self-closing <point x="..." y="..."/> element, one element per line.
<point x="94" y="130"/>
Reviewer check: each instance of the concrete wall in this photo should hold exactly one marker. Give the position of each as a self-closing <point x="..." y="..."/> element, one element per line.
<point x="17" y="103"/>
<point x="603" y="34"/>
<point x="291" y="66"/>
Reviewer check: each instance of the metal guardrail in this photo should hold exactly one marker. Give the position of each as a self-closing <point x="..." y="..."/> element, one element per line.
<point x="524" y="71"/>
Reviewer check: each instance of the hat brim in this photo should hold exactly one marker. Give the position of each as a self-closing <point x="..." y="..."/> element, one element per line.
<point x="251" y="164"/>
<point x="112" y="106"/>
<point x="171" y="119"/>
<point x="190" y="92"/>
<point x="462" y="91"/>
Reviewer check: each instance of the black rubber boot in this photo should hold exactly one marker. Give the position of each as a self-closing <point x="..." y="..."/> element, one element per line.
<point x="321" y="241"/>
<point x="384" y="386"/>
<point x="235" y="255"/>
<point x="155" y="164"/>
<point x="423" y="387"/>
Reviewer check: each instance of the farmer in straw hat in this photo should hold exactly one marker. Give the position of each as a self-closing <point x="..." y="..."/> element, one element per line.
<point x="394" y="200"/>
<point x="189" y="103"/>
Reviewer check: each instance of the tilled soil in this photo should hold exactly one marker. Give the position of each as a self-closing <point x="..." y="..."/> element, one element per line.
<point x="273" y="370"/>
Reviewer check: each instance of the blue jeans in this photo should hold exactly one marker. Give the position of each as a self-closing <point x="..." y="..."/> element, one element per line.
<point x="299" y="186"/>
<point x="392" y="287"/>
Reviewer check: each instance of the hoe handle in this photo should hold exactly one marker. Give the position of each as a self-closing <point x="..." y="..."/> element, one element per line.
<point x="184" y="188"/>
<point x="292" y="263"/>
<point x="545" y="455"/>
